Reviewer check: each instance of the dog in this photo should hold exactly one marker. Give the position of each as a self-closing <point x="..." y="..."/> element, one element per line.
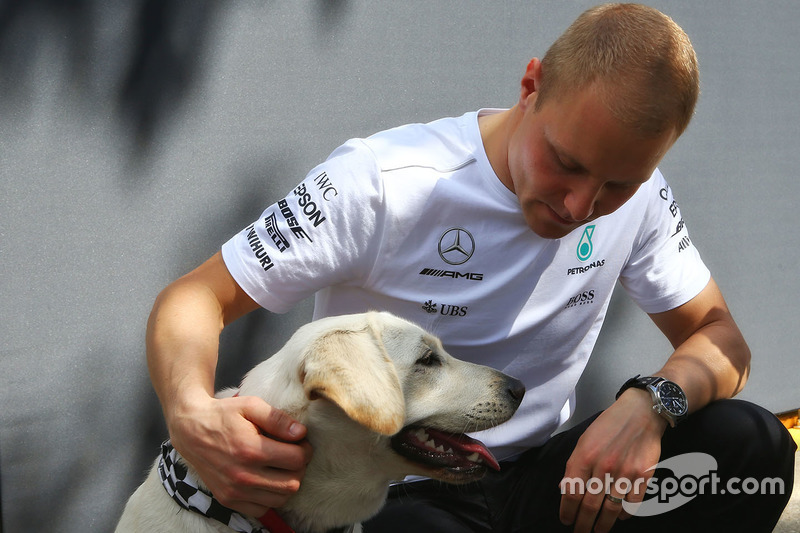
<point x="381" y="399"/>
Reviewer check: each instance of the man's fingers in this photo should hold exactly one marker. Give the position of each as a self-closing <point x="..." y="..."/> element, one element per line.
<point x="289" y="456"/>
<point x="609" y="513"/>
<point x="283" y="436"/>
<point x="251" y="456"/>
<point x="591" y="505"/>
<point x="257" y="501"/>
<point x="570" y="503"/>
<point x="272" y="421"/>
<point x="573" y="488"/>
<point x="634" y="496"/>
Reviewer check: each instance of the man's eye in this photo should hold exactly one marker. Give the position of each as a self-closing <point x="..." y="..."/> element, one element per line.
<point x="565" y="166"/>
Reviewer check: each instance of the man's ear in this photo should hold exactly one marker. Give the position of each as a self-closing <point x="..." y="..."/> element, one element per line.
<point x="529" y="86"/>
<point x="350" y="369"/>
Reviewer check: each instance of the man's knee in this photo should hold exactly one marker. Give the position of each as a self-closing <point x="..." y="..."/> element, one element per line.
<point x="753" y="451"/>
<point x="742" y="432"/>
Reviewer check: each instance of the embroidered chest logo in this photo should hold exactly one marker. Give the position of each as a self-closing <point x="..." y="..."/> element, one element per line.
<point x="585" y="246"/>
<point x="456" y="246"/>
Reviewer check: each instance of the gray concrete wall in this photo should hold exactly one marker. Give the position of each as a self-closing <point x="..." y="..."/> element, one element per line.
<point x="136" y="137"/>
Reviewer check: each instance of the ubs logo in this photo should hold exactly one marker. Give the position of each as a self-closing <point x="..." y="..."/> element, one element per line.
<point x="456" y="246"/>
<point x="446" y="309"/>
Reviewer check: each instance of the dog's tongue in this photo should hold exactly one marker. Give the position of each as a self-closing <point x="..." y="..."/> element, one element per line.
<point x="463" y="445"/>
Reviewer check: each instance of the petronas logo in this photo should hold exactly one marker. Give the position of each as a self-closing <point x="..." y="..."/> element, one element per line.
<point x="585" y="246"/>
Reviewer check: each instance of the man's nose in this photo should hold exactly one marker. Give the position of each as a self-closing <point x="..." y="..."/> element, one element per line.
<point x="581" y="200"/>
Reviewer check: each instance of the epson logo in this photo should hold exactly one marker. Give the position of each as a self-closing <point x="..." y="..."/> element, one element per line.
<point x="438" y="273"/>
<point x="586" y="297"/>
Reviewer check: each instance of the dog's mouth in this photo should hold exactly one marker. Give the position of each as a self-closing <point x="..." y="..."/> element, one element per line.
<point x="456" y="453"/>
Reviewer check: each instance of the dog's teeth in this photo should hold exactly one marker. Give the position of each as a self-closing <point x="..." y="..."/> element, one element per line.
<point x="440" y="449"/>
<point x="474" y="457"/>
<point x="449" y="450"/>
<point x="421" y="435"/>
<point x="431" y="444"/>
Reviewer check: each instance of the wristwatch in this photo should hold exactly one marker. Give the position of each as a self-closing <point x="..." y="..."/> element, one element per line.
<point x="669" y="400"/>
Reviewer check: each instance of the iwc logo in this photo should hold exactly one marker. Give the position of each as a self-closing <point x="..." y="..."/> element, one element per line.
<point x="456" y="246"/>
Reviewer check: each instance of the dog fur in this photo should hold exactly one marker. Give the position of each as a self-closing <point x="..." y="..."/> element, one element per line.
<point x="356" y="381"/>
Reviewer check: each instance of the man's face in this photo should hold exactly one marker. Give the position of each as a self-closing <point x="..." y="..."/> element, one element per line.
<point x="571" y="161"/>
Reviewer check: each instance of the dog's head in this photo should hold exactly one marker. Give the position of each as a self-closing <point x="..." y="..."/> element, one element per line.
<point x="391" y="377"/>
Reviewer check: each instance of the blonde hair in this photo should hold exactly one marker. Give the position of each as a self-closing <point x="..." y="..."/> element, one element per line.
<point x="642" y="62"/>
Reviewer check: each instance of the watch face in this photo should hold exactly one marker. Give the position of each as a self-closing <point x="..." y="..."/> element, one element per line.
<point x="673" y="398"/>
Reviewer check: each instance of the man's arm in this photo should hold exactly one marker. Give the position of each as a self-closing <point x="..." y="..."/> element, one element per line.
<point x="711" y="361"/>
<point x="222" y="438"/>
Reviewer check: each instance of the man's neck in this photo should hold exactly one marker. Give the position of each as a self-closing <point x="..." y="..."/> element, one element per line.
<point x="495" y="130"/>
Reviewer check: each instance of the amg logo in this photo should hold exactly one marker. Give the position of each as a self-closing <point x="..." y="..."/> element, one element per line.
<point x="451" y="274"/>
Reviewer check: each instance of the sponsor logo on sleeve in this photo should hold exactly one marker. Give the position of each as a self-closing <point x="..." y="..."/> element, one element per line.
<point x="684" y="242"/>
<point x="258" y="248"/>
<point x="271" y="224"/>
<point x="294" y="226"/>
<point x="309" y="197"/>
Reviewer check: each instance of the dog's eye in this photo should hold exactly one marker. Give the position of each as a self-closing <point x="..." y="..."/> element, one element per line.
<point x="429" y="359"/>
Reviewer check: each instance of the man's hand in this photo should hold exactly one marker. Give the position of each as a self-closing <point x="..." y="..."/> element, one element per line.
<point x="622" y="443"/>
<point x="251" y="456"/>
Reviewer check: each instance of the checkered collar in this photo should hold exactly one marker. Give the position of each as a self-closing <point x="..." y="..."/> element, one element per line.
<point x="184" y="489"/>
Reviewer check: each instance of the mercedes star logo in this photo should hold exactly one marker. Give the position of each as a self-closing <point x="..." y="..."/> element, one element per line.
<point x="456" y="246"/>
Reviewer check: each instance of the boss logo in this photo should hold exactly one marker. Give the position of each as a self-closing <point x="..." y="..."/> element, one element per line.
<point x="586" y="297"/>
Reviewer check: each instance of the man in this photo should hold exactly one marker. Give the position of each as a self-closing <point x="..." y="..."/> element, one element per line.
<point x="504" y="232"/>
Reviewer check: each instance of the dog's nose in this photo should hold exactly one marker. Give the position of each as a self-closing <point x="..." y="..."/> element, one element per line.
<point x="516" y="389"/>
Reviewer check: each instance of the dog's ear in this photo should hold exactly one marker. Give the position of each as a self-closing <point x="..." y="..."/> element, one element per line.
<point x="351" y="369"/>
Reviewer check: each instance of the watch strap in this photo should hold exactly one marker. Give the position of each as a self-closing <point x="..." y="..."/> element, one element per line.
<point x="638" y="382"/>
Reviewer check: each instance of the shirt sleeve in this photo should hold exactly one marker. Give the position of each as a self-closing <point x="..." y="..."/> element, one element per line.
<point x="665" y="269"/>
<point x="322" y="233"/>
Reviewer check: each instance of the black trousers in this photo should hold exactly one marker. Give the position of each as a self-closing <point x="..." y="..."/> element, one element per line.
<point x="747" y="442"/>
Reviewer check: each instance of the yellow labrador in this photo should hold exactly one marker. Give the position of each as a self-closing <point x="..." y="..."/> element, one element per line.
<point x="381" y="400"/>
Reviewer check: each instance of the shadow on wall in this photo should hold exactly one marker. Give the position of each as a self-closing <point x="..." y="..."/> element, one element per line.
<point x="131" y="68"/>
<point x="148" y="64"/>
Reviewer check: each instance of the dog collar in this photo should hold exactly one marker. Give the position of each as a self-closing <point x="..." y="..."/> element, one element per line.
<point x="169" y="469"/>
<point x="274" y="523"/>
<point x="184" y="489"/>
